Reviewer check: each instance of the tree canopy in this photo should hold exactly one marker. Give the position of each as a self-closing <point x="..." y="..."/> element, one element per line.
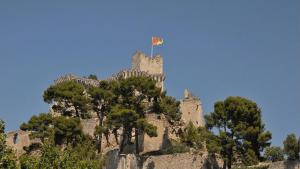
<point x="60" y="130"/>
<point x="274" y="154"/>
<point x="241" y="131"/>
<point x="291" y="146"/>
<point x="7" y="156"/>
<point x="68" y="94"/>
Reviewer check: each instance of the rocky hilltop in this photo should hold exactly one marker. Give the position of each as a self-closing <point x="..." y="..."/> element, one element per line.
<point x="150" y="156"/>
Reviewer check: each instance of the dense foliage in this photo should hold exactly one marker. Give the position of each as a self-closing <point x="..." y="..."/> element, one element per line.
<point x="291" y="147"/>
<point x="61" y="130"/>
<point x="68" y="95"/>
<point x="82" y="156"/>
<point x="241" y="131"/>
<point x="136" y="96"/>
<point x="7" y="156"/>
<point x="274" y="154"/>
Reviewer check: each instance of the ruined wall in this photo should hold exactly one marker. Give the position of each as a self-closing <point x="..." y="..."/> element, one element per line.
<point x="81" y="80"/>
<point x="182" y="161"/>
<point x="152" y="65"/>
<point x="17" y="140"/>
<point x="156" y="143"/>
<point x="116" y="161"/>
<point x="88" y="125"/>
<point x="172" y="161"/>
<point x="158" y="78"/>
<point x="191" y="108"/>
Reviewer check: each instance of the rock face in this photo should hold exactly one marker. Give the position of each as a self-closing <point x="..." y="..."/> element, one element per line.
<point x="174" y="161"/>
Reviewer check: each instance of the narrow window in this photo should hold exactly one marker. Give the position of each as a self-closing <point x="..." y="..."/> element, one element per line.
<point x="15" y="138"/>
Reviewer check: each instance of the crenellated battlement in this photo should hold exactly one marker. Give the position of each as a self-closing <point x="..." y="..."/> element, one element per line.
<point x="81" y="80"/>
<point x="151" y="65"/>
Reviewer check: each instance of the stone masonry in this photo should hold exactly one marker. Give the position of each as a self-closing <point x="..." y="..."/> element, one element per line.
<point x="191" y="109"/>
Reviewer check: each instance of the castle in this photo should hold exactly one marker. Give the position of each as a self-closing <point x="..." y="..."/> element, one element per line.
<point x="142" y="65"/>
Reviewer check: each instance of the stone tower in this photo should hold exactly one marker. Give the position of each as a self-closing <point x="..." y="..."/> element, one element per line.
<point x="151" y="65"/>
<point x="143" y="65"/>
<point x="191" y="109"/>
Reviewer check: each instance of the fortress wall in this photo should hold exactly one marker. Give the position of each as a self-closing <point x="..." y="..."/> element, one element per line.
<point x="191" y="109"/>
<point x="88" y="125"/>
<point x="155" y="143"/>
<point x="178" y="161"/>
<point x="152" y="65"/>
<point x="173" y="161"/>
<point x="17" y="140"/>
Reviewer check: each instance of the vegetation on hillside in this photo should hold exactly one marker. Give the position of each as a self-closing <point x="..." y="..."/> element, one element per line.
<point x="7" y="156"/>
<point x="240" y="130"/>
<point x="292" y="147"/>
<point x="233" y="130"/>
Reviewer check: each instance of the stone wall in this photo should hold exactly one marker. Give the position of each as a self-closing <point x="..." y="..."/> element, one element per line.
<point x="81" y="80"/>
<point x="17" y="140"/>
<point x="152" y="65"/>
<point x="182" y="161"/>
<point x="191" y="108"/>
<point x="116" y="161"/>
<point x="156" y="143"/>
<point x="88" y="125"/>
<point x="173" y="161"/>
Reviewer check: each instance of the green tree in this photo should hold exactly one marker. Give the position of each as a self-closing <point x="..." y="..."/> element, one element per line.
<point x="274" y="154"/>
<point x="241" y="130"/>
<point x="291" y="147"/>
<point x="93" y="76"/>
<point x="67" y="130"/>
<point x="168" y="106"/>
<point x="102" y="99"/>
<point x="39" y="125"/>
<point x="125" y="118"/>
<point x="68" y="94"/>
<point x="29" y="162"/>
<point x="60" y="130"/>
<point x="7" y="156"/>
<point x="194" y="137"/>
<point x="137" y="94"/>
<point x="82" y="156"/>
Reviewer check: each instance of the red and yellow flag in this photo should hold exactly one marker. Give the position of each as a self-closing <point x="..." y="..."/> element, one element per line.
<point x="157" y="41"/>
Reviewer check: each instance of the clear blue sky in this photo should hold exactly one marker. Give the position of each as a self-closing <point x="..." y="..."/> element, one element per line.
<point x="215" y="48"/>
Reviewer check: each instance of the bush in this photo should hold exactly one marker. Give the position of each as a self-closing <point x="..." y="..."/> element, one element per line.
<point x="274" y="154"/>
<point x="194" y="137"/>
<point x="176" y="147"/>
<point x="251" y="167"/>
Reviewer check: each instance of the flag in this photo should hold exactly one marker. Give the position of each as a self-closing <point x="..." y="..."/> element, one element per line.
<point x="157" y="41"/>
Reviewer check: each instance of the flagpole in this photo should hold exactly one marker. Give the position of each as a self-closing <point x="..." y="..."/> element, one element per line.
<point x="151" y="50"/>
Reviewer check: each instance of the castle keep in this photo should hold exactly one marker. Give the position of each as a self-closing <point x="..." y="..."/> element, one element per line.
<point x="142" y="65"/>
